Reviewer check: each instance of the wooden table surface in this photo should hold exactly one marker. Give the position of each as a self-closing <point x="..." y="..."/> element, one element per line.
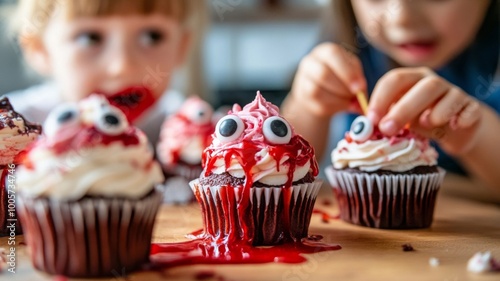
<point x="462" y="226"/>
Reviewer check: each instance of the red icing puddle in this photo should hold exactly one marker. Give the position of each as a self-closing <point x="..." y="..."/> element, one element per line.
<point x="325" y="217"/>
<point x="206" y="251"/>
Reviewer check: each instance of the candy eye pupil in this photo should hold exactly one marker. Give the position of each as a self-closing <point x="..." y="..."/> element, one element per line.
<point x="228" y="127"/>
<point x="201" y="113"/>
<point x="279" y="128"/>
<point x="65" y="116"/>
<point x="111" y="120"/>
<point x="358" y="128"/>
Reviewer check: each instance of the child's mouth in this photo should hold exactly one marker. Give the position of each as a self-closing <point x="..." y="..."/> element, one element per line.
<point x="418" y="50"/>
<point x="132" y="101"/>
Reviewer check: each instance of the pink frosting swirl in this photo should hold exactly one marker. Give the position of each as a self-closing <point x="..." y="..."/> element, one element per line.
<point x="253" y="115"/>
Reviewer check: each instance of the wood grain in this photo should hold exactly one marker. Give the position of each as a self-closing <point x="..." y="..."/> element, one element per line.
<point x="462" y="227"/>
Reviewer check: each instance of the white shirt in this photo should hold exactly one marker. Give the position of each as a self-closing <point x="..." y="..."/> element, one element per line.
<point x="35" y="103"/>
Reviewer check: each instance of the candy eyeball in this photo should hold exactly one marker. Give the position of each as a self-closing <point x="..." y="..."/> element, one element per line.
<point x="229" y="128"/>
<point x="201" y="114"/>
<point x="110" y="120"/>
<point x="62" y="115"/>
<point x="361" y="129"/>
<point x="277" y="131"/>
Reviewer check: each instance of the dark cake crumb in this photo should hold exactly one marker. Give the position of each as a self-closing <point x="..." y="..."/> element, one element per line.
<point x="407" y="247"/>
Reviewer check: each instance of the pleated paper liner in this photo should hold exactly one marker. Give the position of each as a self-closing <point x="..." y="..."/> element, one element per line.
<point x="92" y="237"/>
<point x="390" y="201"/>
<point x="273" y="215"/>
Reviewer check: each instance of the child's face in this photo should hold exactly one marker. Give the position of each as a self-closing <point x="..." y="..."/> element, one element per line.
<point x="129" y="59"/>
<point x="420" y="32"/>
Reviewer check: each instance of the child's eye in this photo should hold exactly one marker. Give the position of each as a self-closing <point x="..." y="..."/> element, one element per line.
<point x="151" y="37"/>
<point x="88" y="39"/>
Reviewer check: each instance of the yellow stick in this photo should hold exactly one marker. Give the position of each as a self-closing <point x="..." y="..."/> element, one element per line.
<point x="362" y="102"/>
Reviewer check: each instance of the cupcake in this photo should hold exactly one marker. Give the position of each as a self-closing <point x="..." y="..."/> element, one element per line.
<point x="87" y="196"/>
<point x="15" y="134"/>
<point x="385" y="182"/>
<point x="258" y="184"/>
<point x="183" y="137"/>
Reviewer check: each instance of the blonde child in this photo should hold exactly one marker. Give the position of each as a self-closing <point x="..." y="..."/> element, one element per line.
<point x="126" y="50"/>
<point x="431" y="63"/>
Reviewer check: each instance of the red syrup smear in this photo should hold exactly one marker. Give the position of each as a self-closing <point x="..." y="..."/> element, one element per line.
<point x="206" y="251"/>
<point x="325" y="217"/>
<point x="229" y="233"/>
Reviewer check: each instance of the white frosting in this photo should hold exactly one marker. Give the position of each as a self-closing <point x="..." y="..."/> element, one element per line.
<point x="265" y="170"/>
<point x="192" y="150"/>
<point x="370" y="156"/>
<point x="112" y="170"/>
<point x="480" y="262"/>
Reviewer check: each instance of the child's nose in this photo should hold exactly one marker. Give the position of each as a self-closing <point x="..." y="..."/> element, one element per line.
<point x="401" y="12"/>
<point x="121" y="62"/>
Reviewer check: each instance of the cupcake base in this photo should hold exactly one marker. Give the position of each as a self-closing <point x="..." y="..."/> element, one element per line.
<point x="386" y="200"/>
<point x="92" y="237"/>
<point x="272" y="216"/>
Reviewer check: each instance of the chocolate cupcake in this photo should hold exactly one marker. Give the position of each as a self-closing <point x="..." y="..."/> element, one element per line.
<point x="385" y="182"/>
<point x="16" y="133"/>
<point x="258" y="184"/>
<point x="183" y="137"/>
<point x="87" y="192"/>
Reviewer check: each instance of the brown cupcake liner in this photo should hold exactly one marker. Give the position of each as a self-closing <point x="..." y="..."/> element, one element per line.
<point x="6" y="204"/>
<point x="92" y="237"/>
<point x="266" y="214"/>
<point x="397" y="201"/>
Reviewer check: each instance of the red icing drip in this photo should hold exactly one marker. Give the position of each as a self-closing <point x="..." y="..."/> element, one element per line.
<point x="205" y="251"/>
<point x="245" y="154"/>
<point x="325" y="217"/>
<point x="86" y="137"/>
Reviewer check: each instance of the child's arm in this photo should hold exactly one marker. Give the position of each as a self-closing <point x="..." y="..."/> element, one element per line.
<point x="462" y="126"/>
<point x="324" y="85"/>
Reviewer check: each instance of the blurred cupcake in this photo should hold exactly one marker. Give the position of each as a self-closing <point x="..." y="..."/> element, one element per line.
<point x="87" y="192"/>
<point x="16" y="133"/>
<point x="183" y="137"/>
<point x="385" y="182"/>
<point x="258" y="184"/>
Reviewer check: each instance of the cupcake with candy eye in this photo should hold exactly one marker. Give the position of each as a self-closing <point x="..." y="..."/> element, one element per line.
<point x="87" y="196"/>
<point x="183" y="137"/>
<point x="385" y="182"/>
<point x="258" y="184"/>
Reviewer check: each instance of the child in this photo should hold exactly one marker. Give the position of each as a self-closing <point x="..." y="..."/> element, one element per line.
<point x="431" y="64"/>
<point x="125" y="50"/>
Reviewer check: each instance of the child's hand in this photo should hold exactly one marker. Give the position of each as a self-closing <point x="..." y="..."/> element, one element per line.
<point x="327" y="80"/>
<point x="430" y="104"/>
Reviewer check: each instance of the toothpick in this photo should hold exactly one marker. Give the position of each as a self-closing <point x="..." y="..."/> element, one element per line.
<point x="362" y="102"/>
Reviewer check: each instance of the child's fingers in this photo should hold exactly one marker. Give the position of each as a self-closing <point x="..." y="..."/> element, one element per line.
<point x="390" y="88"/>
<point x="319" y="72"/>
<point x="320" y="101"/>
<point x="469" y="115"/>
<point x="449" y="106"/>
<point x="420" y="97"/>
<point x="344" y="64"/>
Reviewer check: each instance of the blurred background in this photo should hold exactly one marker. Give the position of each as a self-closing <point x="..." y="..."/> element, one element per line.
<point x="250" y="45"/>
